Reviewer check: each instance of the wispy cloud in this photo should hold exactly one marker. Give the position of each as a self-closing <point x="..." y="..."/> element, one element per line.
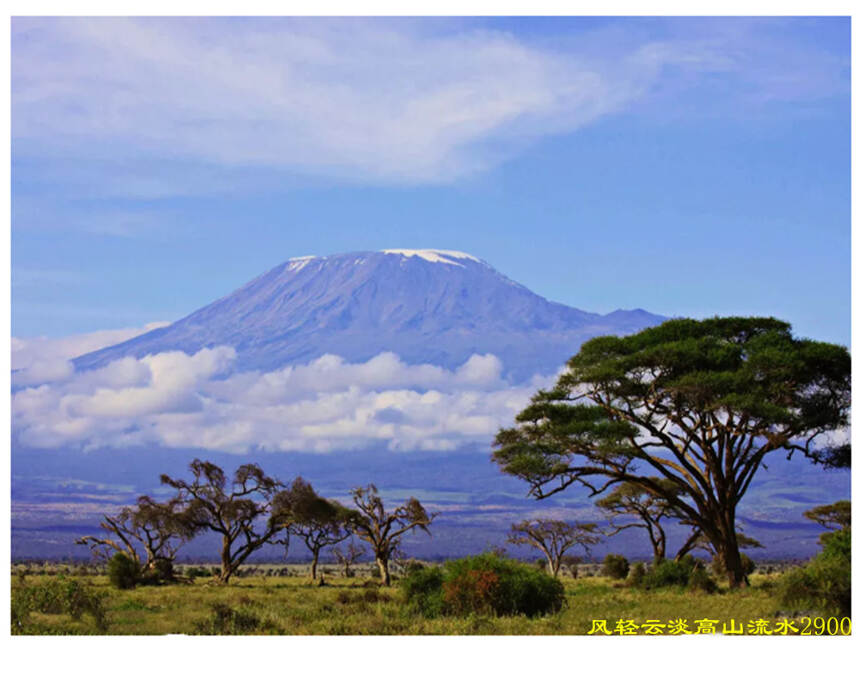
<point x="365" y="100"/>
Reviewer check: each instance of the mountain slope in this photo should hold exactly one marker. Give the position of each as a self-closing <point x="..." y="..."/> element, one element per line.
<point x="427" y="306"/>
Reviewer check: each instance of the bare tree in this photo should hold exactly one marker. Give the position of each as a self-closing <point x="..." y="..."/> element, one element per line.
<point x="347" y="557"/>
<point x="150" y="534"/>
<point x="319" y="522"/>
<point x="239" y="511"/>
<point x="384" y="530"/>
<point x="554" y="538"/>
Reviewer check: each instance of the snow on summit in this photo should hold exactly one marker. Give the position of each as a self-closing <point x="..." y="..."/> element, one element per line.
<point x="433" y="255"/>
<point x="296" y="264"/>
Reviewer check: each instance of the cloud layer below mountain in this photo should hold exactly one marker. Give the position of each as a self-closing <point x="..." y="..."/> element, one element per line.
<point x="178" y="400"/>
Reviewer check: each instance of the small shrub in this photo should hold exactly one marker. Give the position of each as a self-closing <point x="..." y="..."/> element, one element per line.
<point x="823" y="584"/>
<point x="58" y="596"/>
<point x="571" y="563"/>
<point x="412" y="565"/>
<point x="484" y="584"/>
<point x="719" y="569"/>
<point x="669" y="572"/>
<point x="473" y="591"/>
<point x="423" y="590"/>
<point x="637" y="573"/>
<point x="161" y="572"/>
<point x="615" y="566"/>
<point x="123" y="572"/>
<point x="373" y="595"/>
<point x="225" y="620"/>
<point x="700" y="581"/>
<point x="197" y="572"/>
<point x="20" y="612"/>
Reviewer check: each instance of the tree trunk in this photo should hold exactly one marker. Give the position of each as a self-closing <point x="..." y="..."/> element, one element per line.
<point x="314" y="563"/>
<point x="660" y="546"/>
<point x="383" y="570"/>
<point x="658" y="540"/>
<point x="731" y="559"/>
<point x="659" y="551"/>
<point x="227" y="565"/>
<point x="726" y="548"/>
<point x="554" y="566"/>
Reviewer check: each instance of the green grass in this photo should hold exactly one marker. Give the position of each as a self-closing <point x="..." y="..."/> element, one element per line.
<point x="266" y="605"/>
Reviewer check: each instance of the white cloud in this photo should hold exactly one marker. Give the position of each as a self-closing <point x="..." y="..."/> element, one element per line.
<point x="367" y="100"/>
<point x="42" y="359"/>
<point x="194" y="401"/>
<point x="354" y="98"/>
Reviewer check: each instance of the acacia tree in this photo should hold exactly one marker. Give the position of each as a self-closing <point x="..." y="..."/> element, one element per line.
<point x="317" y="521"/>
<point x="239" y="511"/>
<point x="383" y="529"/>
<point x="554" y="538"/>
<point x="648" y="508"/>
<point x="149" y="534"/>
<point x="698" y="403"/>
<point x="831" y="516"/>
<point x="836" y="516"/>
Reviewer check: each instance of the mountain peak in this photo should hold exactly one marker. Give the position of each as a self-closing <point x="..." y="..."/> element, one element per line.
<point x="406" y="301"/>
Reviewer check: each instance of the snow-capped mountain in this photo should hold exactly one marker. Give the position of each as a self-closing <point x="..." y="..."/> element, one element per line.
<point x="427" y="306"/>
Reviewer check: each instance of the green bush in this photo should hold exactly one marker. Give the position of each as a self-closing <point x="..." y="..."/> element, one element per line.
<point x="837" y="546"/>
<point x="824" y="584"/>
<point x="197" y="572"/>
<point x="225" y="620"/>
<point x="57" y="596"/>
<point x="123" y="572"/>
<point x="669" y="572"/>
<point x="423" y="590"/>
<point x="700" y="581"/>
<point x="484" y="584"/>
<point x="615" y="566"/>
<point x="411" y="565"/>
<point x="637" y="574"/>
<point x="747" y="566"/>
<point x="162" y="572"/>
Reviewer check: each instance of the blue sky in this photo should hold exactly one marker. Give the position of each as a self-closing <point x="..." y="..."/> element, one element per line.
<point x="685" y="166"/>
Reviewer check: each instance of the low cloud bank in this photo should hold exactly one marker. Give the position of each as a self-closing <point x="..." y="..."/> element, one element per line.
<point x="179" y="400"/>
<point x="42" y="359"/>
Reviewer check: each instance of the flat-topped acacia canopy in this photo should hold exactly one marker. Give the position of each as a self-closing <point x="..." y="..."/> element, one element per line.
<point x="698" y="403"/>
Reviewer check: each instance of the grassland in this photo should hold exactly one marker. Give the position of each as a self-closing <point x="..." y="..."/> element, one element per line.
<point x="357" y="606"/>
